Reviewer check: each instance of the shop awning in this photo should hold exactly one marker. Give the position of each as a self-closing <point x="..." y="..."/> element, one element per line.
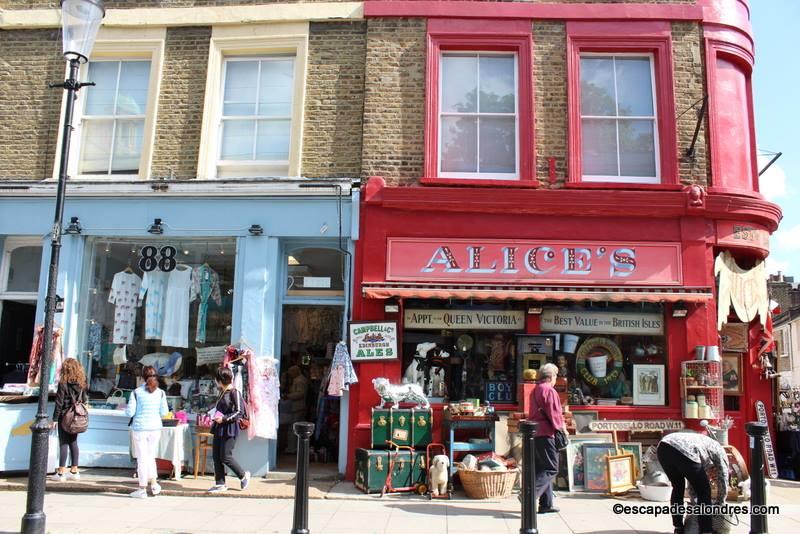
<point x="385" y="290"/>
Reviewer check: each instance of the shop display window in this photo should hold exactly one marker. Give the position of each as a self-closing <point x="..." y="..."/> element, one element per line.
<point x="166" y="303"/>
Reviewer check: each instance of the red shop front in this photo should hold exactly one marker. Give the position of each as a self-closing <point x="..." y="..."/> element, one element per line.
<point x="615" y="288"/>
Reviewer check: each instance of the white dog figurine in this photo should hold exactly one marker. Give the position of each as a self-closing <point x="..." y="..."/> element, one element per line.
<point x="395" y="393"/>
<point x="439" y="473"/>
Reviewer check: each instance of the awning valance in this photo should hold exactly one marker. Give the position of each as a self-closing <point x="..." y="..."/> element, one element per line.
<point x="383" y="290"/>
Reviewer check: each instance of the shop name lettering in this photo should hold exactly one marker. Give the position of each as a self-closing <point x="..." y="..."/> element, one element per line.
<point x="614" y="322"/>
<point x="452" y="319"/>
<point x="538" y="261"/>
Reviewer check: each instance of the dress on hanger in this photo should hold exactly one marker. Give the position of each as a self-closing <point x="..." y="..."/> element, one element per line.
<point x="124" y="295"/>
<point x="176" y="308"/>
<point x="154" y="286"/>
<point x="342" y="372"/>
<point x="205" y="284"/>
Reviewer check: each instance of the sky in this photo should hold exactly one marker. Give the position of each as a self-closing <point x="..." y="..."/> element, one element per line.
<point x="776" y="77"/>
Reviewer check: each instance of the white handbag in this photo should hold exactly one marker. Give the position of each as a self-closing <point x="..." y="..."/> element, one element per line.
<point x="120" y="355"/>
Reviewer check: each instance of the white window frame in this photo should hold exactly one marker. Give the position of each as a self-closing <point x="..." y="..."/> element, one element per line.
<point x="619" y="178"/>
<point x="252" y="42"/>
<point x="440" y="114"/>
<point x="120" y="44"/>
<point x="252" y="162"/>
<point x="9" y="245"/>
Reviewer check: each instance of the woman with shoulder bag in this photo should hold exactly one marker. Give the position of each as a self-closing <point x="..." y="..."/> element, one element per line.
<point x="227" y="413"/>
<point x="72" y="389"/>
<point x="546" y="411"/>
<point x="146" y="406"/>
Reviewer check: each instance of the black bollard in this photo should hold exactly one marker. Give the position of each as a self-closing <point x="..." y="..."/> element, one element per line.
<point x="303" y="432"/>
<point x="528" y="429"/>
<point x="758" y="494"/>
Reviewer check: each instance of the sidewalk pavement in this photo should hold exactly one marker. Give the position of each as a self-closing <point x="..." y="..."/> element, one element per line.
<point x="345" y="510"/>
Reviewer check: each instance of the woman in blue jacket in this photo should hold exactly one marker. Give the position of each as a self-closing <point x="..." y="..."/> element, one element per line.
<point x="146" y="407"/>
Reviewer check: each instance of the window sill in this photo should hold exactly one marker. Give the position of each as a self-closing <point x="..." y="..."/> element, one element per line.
<point x="623" y="185"/>
<point x="531" y="184"/>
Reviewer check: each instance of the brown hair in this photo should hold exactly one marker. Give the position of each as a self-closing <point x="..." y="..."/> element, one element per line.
<point x="72" y="373"/>
<point x="150" y="378"/>
<point x="224" y="376"/>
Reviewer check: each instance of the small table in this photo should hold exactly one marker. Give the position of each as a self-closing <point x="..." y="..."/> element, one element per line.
<point x="175" y="446"/>
<point x="452" y="423"/>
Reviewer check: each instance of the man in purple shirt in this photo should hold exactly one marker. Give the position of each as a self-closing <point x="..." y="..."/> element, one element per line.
<point x="546" y="411"/>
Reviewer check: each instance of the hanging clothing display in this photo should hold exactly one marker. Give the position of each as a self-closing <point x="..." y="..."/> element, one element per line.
<point x="342" y="372"/>
<point x="154" y="287"/>
<point x="205" y="284"/>
<point x="745" y="290"/>
<point x="35" y="357"/>
<point x="175" y="332"/>
<point x="263" y="387"/>
<point x="124" y="295"/>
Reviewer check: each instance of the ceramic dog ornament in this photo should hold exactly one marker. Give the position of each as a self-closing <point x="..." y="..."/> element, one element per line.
<point x="395" y="393"/>
<point x="439" y="472"/>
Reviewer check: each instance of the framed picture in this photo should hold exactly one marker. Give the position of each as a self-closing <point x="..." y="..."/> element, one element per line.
<point x="636" y="450"/>
<point x="620" y="473"/>
<point x="648" y="385"/>
<point x="595" y="469"/>
<point x="732" y="373"/>
<point x="561" y="482"/>
<point x="533" y="352"/>
<point x="574" y="458"/>
<point x="733" y="337"/>
<point x="582" y="419"/>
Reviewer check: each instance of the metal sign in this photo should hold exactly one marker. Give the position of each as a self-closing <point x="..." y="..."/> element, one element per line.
<point x="644" y="425"/>
<point x="769" y="452"/>
<point x="464" y="319"/>
<point x="371" y="341"/>
<point x="602" y="322"/>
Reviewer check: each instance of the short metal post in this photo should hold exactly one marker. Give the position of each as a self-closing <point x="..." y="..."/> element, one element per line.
<point x="758" y="495"/>
<point x="303" y="432"/>
<point x="528" y="429"/>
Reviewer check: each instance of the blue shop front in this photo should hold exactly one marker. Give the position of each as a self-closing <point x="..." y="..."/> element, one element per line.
<point x="169" y="275"/>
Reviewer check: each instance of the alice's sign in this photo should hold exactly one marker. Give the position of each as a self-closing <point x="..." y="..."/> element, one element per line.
<point x="525" y="262"/>
<point x="602" y="322"/>
<point x="373" y="341"/>
<point x="464" y="319"/>
<point x="644" y="425"/>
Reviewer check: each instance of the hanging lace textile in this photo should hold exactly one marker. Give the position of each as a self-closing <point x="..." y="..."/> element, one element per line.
<point x="745" y="290"/>
<point x="342" y="372"/>
<point x="35" y="358"/>
<point x="262" y="391"/>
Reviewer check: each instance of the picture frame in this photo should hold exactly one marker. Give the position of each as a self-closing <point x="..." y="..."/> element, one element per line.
<point x="534" y="351"/>
<point x="582" y="419"/>
<point x="733" y="337"/>
<point x="595" y="467"/>
<point x="649" y="387"/>
<point x="732" y="373"/>
<point x="620" y="472"/>
<point x="574" y="457"/>
<point x="636" y="450"/>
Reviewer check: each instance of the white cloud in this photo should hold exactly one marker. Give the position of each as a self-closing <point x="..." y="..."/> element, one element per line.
<point x="787" y="239"/>
<point x="773" y="182"/>
<point x="774" y="266"/>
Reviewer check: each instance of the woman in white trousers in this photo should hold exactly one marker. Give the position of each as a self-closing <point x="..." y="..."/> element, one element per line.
<point x="146" y="406"/>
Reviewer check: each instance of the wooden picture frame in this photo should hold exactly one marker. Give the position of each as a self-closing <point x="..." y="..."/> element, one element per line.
<point x="636" y="450"/>
<point x="620" y="473"/>
<point x="649" y="386"/>
<point x="733" y="337"/>
<point x="582" y="419"/>
<point x="574" y="456"/>
<point x="732" y="373"/>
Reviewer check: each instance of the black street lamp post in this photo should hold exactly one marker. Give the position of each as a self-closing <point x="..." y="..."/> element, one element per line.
<point x="80" y="20"/>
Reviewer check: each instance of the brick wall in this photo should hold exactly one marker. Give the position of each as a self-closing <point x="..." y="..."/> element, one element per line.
<point x="180" y="104"/>
<point x="29" y="110"/>
<point x="689" y="86"/>
<point x="549" y="82"/>
<point x="394" y="101"/>
<point x="334" y="100"/>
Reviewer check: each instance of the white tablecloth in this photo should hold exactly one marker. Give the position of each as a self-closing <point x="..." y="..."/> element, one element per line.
<point x="175" y="445"/>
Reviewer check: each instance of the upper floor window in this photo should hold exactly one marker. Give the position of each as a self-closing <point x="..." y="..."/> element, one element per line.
<point x="113" y="117"/>
<point x="478" y="116"/>
<point x="619" y="139"/>
<point x="622" y="127"/>
<point x="256" y="114"/>
<point x="479" y="103"/>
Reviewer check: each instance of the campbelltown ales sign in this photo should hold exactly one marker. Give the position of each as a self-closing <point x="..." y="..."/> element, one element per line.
<point x="511" y="261"/>
<point x="373" y="341"/>
<point x="464" y="319"/>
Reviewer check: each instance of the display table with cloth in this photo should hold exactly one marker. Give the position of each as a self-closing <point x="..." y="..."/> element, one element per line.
<point x="174" y="446"/>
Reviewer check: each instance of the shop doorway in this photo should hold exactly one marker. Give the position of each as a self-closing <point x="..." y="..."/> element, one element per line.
<point x="308" y="340"/>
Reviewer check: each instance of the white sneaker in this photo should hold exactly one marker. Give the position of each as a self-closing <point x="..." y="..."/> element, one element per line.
<point x="74" y="476"/>
<point x="141" y="493"/>
<point x="58" y="477"/>
<point x="245" y="480"/>
<point x="155" y="489"/>
<point x="219" y="488"/>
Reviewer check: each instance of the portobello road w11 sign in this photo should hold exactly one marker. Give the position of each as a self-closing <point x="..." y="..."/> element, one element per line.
<point x="515" y="262"/>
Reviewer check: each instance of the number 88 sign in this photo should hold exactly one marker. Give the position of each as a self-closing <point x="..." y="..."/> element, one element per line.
<point x="163" y="259"/>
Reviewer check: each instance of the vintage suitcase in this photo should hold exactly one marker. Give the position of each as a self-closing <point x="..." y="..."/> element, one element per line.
<point x="371" y="469"/>
<point x="381" y="427"/>
<point x="391" y="424"/>
<point x="421" y="427"/>
<point x="419" y="471"/>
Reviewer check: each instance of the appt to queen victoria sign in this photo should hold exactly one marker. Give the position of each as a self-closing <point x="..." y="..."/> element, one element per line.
<point x="524" y="262"/>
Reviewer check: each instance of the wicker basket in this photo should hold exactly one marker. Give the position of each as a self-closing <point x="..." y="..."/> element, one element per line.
<point x="487" y="484"/>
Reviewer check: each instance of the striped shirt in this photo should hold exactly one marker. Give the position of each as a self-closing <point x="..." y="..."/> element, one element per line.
<point x="147" y="408"/>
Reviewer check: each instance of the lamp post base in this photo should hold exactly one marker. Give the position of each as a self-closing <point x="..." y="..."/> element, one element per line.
<point x="33" y="523"/>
